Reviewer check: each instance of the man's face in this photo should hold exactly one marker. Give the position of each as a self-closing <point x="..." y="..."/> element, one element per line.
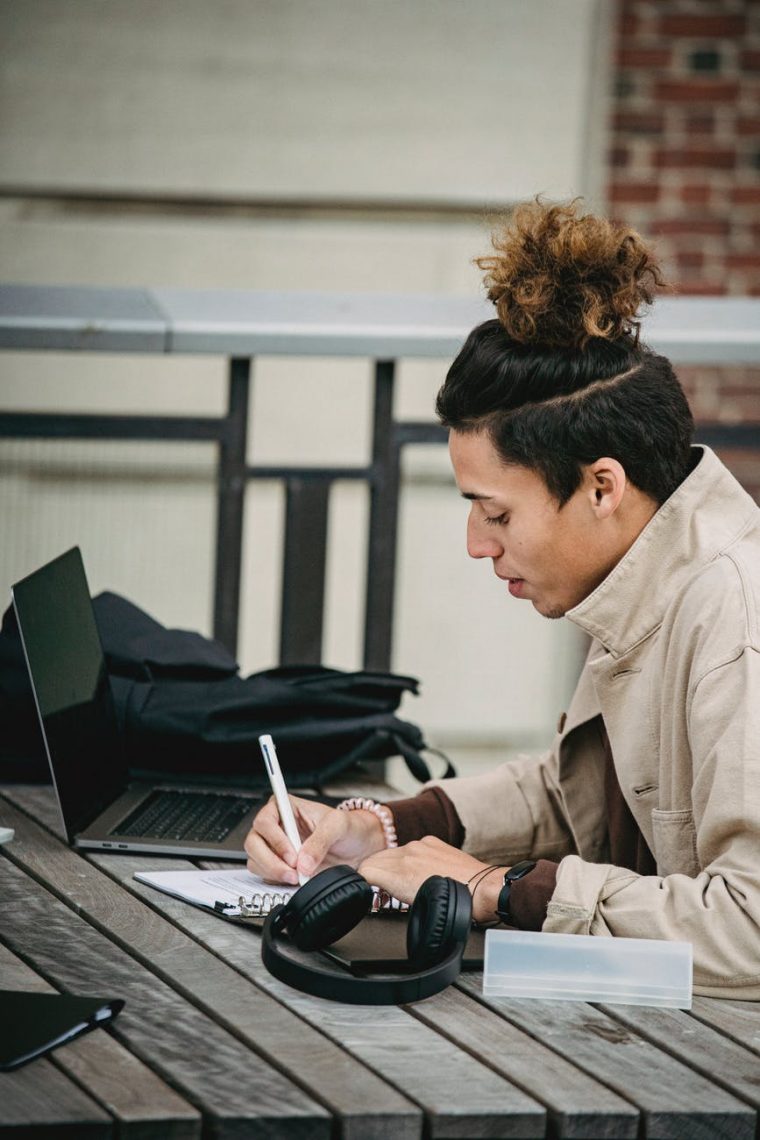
<point x="549" y="555"/>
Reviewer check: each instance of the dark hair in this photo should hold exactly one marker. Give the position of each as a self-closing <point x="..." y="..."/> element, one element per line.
<point x="561" y="379"/>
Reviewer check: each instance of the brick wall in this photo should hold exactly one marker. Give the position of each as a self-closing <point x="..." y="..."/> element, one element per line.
<point x="685" y="167"/>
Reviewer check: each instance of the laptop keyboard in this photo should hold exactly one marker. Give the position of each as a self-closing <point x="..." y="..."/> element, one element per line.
<point x="201" y="816"/>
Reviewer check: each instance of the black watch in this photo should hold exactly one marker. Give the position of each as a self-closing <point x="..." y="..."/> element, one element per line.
<point x="513" y="874"/>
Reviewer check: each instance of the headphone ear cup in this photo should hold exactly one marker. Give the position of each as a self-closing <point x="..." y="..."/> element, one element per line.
<point x="326" y="908"/>
<point x="439" y="919"/>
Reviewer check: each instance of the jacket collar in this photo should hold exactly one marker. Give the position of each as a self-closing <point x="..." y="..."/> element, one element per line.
<point x="702" y="516"/>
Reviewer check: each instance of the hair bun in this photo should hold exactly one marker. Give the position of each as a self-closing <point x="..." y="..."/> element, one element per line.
<point x="558" y="279"/>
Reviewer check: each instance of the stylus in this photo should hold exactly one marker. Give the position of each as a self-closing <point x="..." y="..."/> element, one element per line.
<point x="274" y="772"/>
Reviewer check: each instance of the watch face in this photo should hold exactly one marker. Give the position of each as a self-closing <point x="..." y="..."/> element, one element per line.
<point x="519" y="870"/>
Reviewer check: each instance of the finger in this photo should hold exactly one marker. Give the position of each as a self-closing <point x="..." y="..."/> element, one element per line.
<point x="286" y="877"/>
<point x="263" y="861"/>
<point x="391" y="875"/>
<point x="266" y="816"/>
<point x="306" y="816"/>
<point x="268" y="826"/>
<point x="326" y="831"/>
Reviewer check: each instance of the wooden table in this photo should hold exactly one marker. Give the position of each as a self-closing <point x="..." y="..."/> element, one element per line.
<point x="209" y="1044"/>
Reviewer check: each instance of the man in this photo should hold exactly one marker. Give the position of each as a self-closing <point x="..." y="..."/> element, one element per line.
<point x="573" y="444"/>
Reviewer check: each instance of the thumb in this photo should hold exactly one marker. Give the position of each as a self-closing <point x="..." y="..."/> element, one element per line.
<point x="317" y="846"/>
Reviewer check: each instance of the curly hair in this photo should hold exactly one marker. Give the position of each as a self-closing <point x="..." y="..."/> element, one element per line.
<point x="559" y="279"/>
<point x="561" y="378"/>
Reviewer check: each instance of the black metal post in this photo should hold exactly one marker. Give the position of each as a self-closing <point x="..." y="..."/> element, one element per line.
<point x="383" y="523"/>
<point x="303" y="573"/>
<point x="231" y="481"/>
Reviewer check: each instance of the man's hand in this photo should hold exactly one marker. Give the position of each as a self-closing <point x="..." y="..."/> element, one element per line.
<point x="402" y="870"/>
<point x="328" y="836"/>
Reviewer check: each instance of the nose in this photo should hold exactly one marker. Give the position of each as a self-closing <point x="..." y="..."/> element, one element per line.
<point x="482" y="543"/>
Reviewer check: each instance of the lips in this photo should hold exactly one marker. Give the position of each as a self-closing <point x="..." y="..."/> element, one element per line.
<point x="514" y="585"/>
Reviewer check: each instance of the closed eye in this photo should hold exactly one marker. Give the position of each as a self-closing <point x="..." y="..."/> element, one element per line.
<point x="496" y="520"/>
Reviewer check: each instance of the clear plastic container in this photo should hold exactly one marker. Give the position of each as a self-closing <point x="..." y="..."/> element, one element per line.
<point x="579" y="967"/>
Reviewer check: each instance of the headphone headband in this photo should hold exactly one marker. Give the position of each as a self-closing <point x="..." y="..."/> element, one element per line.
<point x="380" y="989"/>
<point x="331" y="904"/>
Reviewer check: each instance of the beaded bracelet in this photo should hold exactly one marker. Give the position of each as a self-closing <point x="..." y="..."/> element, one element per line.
<point x="383" y="813"/>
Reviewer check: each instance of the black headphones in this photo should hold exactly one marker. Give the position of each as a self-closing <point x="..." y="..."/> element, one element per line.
<point x="332" y="903"/>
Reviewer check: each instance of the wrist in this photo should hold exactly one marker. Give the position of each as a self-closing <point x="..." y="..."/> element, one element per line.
<point x="369" y="831"/>
<point x="486" y="895"/>
<point x="375" y="821"/>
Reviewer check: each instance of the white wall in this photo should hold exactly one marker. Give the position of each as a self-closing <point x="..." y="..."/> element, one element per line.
<point x="438" y="100"/>
<point x="349" y="103"/>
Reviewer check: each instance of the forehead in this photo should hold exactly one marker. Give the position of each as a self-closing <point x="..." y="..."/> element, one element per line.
<point x="482" y="474"/>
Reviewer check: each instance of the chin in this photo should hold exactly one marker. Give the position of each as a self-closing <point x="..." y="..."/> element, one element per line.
<point x="549" y="611"/>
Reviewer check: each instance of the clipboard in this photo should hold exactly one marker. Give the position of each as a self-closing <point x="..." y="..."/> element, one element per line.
<point x="237" y="895"/>
<point x="34" y="1023"/>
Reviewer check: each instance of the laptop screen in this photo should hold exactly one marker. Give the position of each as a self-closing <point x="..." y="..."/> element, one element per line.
<point x="68" y="673"/>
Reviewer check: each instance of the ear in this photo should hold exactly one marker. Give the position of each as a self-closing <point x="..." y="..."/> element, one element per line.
<point x="606" y="482"/>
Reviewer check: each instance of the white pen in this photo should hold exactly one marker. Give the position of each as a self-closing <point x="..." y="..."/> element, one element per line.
<point x="287" y="819"/>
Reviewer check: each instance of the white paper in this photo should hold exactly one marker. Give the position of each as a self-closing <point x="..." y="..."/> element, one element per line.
<point x="206" y="888"/>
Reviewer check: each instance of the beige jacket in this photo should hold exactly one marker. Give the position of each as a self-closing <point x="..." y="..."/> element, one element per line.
<point x="674" y="670"/>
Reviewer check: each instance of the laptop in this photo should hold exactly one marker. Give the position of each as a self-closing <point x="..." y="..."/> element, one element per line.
<point x="100" y="806"/>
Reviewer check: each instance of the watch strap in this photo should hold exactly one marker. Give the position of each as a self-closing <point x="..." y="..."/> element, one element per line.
<point x="515" y="873"/>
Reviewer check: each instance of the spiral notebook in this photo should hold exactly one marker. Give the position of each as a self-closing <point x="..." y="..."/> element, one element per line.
<point x="236" y="893"/>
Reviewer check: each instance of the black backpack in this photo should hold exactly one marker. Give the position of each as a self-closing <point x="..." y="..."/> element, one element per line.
<point x="184" y="711"/>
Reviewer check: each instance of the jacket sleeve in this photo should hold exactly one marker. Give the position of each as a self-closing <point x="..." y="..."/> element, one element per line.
<point x="718" y="909"/>
<point x="512" y="812"/>
<point x="430" y="812"/>
<point x="517" y="810"/>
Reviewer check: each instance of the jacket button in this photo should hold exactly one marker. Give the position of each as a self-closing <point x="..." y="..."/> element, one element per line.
<point x="561" y="722"/>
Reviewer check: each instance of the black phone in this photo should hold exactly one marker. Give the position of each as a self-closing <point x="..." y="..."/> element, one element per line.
<point x="31" y="1023"/>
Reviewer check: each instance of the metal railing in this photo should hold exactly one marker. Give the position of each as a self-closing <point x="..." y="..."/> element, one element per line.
<point x="243" y="325"/>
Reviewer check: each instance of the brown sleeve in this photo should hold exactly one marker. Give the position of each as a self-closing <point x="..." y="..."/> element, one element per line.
<point x="529" y="896"/>
<point x="429" y="813"/>
<point x="432" y="813"/>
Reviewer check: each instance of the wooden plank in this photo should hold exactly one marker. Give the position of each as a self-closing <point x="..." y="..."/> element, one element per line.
<point x="460" y="1096"/>
<point x="739" y="1020"/>
<point x="39" y="1100"/>
<point x="673" y="1099"/>
<point x="578" y="1105"/>
<point x="145" y="1107"/>
<point x="365" y="1104"/>
<point x="230" y="1084"/>
<point x="37" y="800"/>
<point x="703" y="1048"/>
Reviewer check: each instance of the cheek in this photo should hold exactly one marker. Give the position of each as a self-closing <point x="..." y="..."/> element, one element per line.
<point x="539" y="544"/>
<point x="553" y="554"/>
<point x="576" y="565"/>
